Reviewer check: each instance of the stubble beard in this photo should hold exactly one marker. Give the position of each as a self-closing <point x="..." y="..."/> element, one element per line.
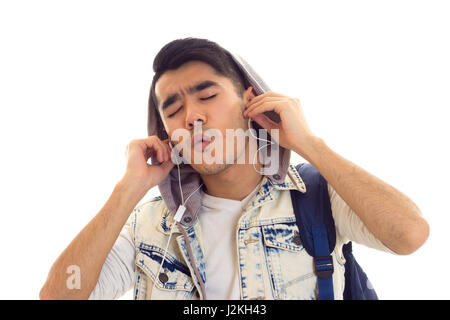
<point x="216" y="168"/>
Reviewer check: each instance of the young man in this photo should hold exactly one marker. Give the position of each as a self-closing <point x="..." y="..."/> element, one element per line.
<point x="237" y="238"/>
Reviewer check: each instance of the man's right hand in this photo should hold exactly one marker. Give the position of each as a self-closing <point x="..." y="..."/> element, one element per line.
<point x="138" y="171"/>
<point x="90" y="248"/>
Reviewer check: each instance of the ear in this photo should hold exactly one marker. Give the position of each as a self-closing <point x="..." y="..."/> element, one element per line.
<point x="248" y="94"/>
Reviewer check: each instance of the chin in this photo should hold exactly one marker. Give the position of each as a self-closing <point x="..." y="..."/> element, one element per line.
<point x="210" y="169"/>
<point x="215" y="168"/>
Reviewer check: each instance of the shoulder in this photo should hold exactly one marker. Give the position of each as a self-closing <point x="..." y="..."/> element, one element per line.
<point x="151" y="205"/>
<point x="150" y="209"/>
<point x="147" y="215"/>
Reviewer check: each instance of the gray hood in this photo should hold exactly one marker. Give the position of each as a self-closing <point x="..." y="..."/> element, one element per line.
<point x="190" y="179"/>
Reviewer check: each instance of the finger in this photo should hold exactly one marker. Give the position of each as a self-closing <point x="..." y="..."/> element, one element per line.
<point x="167" y="151"/>
<point x="166" y="166"/>
<point x="153" y="151"/>
<point x="268" y="94"/>
<point x="263" y="107"/>
<point x="265" y="122"/>
<point x="164" y="151"/>
<point x="152" y="146"/>
<point x="168" y="148"/>
<point x="256" y="104"/>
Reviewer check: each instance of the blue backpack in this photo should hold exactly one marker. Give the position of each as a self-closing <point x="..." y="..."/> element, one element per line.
<point x="318" y="234"/>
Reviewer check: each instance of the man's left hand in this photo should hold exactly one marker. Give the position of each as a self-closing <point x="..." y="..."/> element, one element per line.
<point x="294" y="133"/>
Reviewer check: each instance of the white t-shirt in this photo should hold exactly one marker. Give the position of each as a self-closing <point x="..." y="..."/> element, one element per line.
<point x="218" y="218"/>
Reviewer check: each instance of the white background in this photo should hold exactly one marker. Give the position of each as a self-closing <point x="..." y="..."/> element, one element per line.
<point x="373" y="78"/>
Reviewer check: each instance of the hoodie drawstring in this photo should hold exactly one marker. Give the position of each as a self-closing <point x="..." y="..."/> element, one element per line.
<point x="177" y="218"/>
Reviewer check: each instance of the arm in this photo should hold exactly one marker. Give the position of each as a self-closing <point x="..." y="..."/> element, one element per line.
<point x="91" y="246"/>
<point x="118" y="272"/>
<point x="389" y="214"/>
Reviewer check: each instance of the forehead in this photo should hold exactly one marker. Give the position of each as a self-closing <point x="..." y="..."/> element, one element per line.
<point x="188" y="74"/>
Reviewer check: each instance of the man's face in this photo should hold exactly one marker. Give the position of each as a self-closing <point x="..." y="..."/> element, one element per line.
<point x="195" y="92"/>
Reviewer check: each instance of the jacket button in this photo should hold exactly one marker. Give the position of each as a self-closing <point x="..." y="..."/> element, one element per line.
<point x="297" y="240"/>
<point x="277" y="176"/>
<point x="187" y="219"/>
<point x="163" y="277"/>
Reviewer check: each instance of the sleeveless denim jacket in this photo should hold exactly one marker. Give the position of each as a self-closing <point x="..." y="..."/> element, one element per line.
<point x="272" y="261"/>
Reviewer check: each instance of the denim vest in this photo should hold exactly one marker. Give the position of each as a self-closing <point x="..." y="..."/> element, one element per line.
<point x="273" y="263"/>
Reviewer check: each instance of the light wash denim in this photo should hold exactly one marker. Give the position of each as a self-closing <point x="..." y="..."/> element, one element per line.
<point x="272" y="261"/>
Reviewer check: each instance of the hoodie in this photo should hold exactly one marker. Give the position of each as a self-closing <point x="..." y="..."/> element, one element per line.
<point x="190" y="179"/>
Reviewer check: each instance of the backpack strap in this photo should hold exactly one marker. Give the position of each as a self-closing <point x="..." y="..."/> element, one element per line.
<point x="316" y="226"/>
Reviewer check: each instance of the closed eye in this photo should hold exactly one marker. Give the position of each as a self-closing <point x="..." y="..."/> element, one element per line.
<point x="210" y="97"/>
<point x="207" y="98"/>
<point x="171" y="115"/>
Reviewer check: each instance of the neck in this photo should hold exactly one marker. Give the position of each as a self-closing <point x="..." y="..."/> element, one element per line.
<point x="235" y="183"/>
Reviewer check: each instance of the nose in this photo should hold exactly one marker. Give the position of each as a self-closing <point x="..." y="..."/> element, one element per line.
<point x="194" y="114"/>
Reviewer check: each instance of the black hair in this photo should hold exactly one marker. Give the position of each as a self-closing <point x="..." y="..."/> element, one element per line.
<point x="180" y="51"/>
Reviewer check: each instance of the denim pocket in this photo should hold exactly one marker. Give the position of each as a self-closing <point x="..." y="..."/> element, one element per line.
<point x="283" y="236"/>
<point x="175" y="275"/>
<point x="289" y="264"/>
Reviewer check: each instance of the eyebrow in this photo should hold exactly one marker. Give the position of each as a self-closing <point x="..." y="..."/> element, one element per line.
<point x="195" y="88"/>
